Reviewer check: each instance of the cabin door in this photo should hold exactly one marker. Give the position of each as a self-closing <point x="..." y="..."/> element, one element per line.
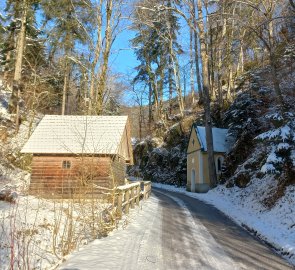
<point x="193" y="181"/>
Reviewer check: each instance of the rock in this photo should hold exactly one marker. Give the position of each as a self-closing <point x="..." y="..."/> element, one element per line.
<point x="174" y="135"/>
<point x="164" y="160"/>
<point x="186" y="124"/>
<point x="242" y="179"/>
<point x="8" y="195"/>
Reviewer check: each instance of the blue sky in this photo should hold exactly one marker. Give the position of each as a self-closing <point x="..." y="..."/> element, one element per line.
<point x="123" y="59"/>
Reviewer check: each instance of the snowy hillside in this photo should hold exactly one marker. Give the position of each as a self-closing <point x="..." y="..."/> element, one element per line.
<point x="163" y="159"/>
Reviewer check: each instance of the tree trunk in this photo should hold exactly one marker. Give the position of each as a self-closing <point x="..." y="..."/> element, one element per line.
<point x="106" y="54"/>
<point x="230" y="82"/>
<point x="20" y="47"/>
<point x="150" y="107"/>
<point x="192" y="83"/>
<point x="240" y="66"/>
<point x="211" y="65"/>
<point x="219" y="65"/>
<point x="170" y="85"/>
<point x="177" y="79"/>
<point x="273" y="65"/>
<point x="65" y="87"/>
<point x="140" y="119"/>
<point x="275" y="80"/>
<point x="197" y="62"/>
<point x="208" y="123"/>
<point x="95" y="60"/>
<point x="219" y="80"/>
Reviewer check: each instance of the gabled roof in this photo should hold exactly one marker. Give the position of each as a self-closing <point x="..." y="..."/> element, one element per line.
<point x="220" y="142"/>
<point x="69" y="134"/>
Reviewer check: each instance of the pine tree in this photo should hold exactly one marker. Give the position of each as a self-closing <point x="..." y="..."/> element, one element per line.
<point x="69" y="26"/>
<point x="20" y="19"/>
<point x="158" y="49"/>
<point x="281" y="148"/>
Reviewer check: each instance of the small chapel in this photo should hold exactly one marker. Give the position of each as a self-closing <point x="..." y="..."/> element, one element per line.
<point x="197" y="157"/>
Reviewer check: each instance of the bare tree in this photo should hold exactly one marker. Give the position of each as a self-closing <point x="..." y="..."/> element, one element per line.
<point x="205" y="73"/>
<point x="108" y="19"/>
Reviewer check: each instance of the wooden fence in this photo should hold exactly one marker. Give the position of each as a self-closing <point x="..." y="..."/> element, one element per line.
<point x="129" y="195"/>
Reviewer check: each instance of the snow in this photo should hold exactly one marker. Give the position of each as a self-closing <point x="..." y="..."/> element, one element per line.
<point x="283" y="146"/>
<point x="41" y="229"/>
<point x="245" y="206"/>
<point x="268" y="168"/>
<point x="282" y="133"/>
<point x="65" y="134"/>
<point x="141" y="244"/>
<point x="133" y="141"/>
<point x="161" y="151"/>
<point x="121" y="244"/>
<point x="273" y="158"/>
<point x="285" y="132"/>
<point x="219" y="139"/>
<point x="4" y="97"/>
<point x="134" y="178"/>
<point x="275" y="116"/>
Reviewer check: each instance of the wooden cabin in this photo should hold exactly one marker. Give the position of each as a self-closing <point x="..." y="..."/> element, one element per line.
<point x="197" y="157"/>
<point x="79" y="155"/>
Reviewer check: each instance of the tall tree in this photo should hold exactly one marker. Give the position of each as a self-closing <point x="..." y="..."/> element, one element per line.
<point x="158" y="51"/>
<point x="69" y="27"/>
<point x="205" y="89"/>
<point x="108" y="24"/>
<point x="23" y="16"/>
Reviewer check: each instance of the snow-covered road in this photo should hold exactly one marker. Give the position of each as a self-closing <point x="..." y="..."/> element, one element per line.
<point x="173" y="231"/>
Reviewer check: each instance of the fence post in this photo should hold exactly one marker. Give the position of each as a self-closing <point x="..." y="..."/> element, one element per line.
<point x="137" y="194"/>
<point x="132" y="197"/>
<point x="127" y="200"/>
<point x="120" y="202"/>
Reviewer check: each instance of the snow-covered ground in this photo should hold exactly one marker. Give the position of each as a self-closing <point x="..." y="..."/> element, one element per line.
<point x="36" y="233"/>
<point x="276" y="226"/>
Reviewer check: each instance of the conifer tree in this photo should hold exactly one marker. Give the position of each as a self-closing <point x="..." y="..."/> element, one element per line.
<point x="69" y="27"/>
<point x="21" y="17"/>
<point x="158" y="49"/>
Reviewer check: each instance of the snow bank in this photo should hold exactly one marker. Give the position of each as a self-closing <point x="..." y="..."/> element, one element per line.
<point x="38" y="233"/>
<point x="244" y="206"/>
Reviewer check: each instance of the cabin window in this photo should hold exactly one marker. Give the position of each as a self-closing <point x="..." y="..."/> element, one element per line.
<point x="193" y="142"/>
<point x="66" y="164"/>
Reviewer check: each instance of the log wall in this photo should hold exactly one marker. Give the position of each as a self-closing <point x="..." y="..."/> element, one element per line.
<point x="118" y="170"/>
<point x="87" y="175"/>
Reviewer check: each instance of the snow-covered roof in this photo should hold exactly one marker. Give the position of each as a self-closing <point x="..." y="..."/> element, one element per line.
<point x="64" y="134"/>
<point x="220" y="142"/>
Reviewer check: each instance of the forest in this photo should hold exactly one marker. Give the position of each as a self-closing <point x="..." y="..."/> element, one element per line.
<point x="192" y="58"/>
<point x="167" y="64"/>
<point x="189" y="54"/>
